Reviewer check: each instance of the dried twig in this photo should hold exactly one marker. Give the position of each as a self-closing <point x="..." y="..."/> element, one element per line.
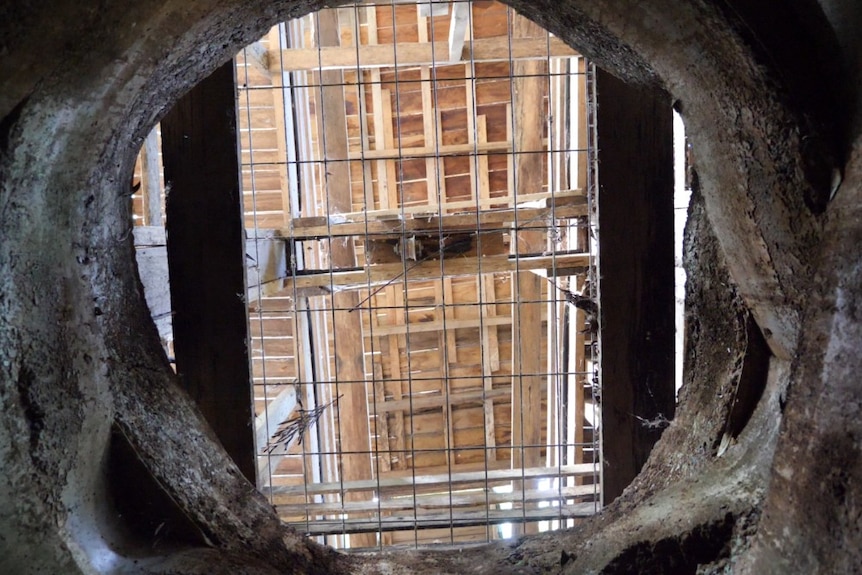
<point x="296" y="426"/>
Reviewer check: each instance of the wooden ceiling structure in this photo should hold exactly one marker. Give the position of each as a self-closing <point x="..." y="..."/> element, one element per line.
<point x="417" y="200"/>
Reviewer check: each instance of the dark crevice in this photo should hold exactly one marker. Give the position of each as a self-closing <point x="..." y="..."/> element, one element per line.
<point x="703" y="545"/>
<point x="32" y="410"/>
<point x="8" y="122"/>
<point x="752" y="379"/>
<point x="150" y="513"/>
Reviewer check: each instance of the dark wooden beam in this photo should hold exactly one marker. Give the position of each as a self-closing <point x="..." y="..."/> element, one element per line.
<point x="635" y="143"/>
<point x="206" y="260"/>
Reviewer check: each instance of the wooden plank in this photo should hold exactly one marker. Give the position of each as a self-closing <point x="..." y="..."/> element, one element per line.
<point x="423" y="54"/>
<point x="398" y="431"/>
<point x="437" y="325"/>
<point x="385" y="224"/>
<point x="458" y="23"/>
<point x="429" y="245"/>
<point x="449" y="315"/>
<point x="635" y="136"/>
<point x="265" y="262"/>
<point x="210" y="325"/>
<point x="350" y="386"/>
<point x="490" y="321"/>
<point x="528" y="114"/>
<point x="461" y="519"/>
<point x="265" y="425"/>
<point x="257" y="56"/>
<point x="572" y="197"/>
<point x="151" y="186"/>
<point x="153" y="270"/>
<point x="460" y="399"/>
<point x="382" y="447"/>
<point x="279" y="116"/>
<point x="392" y="152"/>
<point x="490" y="356"/>
<point x="490" y="340"/>
<point x="527" y="381"/>
<point x="473" y="137"/>
<point x="434" y="183"/>
<point x="400" y="371"/>
<point x="435" y="501"/>
<point x="445" y="362"/>
<point x="384" y="273"/>
<point x="384" y="484"/>
<point x="384" y="168"/>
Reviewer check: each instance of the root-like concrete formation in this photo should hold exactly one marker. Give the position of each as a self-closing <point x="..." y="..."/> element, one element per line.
<point x="773" y="484"/>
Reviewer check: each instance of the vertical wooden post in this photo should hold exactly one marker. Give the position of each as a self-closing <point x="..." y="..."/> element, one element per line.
<point x="206" y="260"/>
<point x="530" y="86"/>
<point x="635" y="142"/>
<point x="151" y="180"/>
<point x="354" y="428"/>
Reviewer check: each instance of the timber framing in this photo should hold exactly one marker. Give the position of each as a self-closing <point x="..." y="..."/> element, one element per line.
<point x="416" y="204"/>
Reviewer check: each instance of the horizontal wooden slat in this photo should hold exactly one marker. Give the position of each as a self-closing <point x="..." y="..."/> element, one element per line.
<point x="429" y="326"/>
<point x="460" y="519"/>
<point x="422" y="54"/>
<point x="382" y="273"/>
<point x="569" y="204"/>
<point x="438" y="501"/>
<point x="456" y="399"/>
<point x="384" y="483"/>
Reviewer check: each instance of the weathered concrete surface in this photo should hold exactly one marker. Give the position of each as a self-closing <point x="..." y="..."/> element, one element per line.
<point x="80" y="86"/>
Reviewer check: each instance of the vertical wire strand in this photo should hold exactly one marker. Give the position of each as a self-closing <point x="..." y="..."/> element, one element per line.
<point x="360" y="95"/>
<point x="471" y="78"/>
<point x="516" y="290"/>
<point x="331" y="297"/>
<point x="405" y="270"/>
<point x="254" y="210"/>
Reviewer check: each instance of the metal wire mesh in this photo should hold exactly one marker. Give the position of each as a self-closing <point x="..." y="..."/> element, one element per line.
<point x="421" y="243"/>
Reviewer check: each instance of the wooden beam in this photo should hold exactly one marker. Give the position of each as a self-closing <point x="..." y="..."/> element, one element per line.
<point x="382" y="224"/>
<point x="383" y="273"/>
<point x="425" y="502"/>
<point x="266" y="424"/>
<point x="281" y="100"/>
<point x="257" y="56"/>
<point x="490" y="356"/>
<point x="459" y="399"/>
<point x="435" y="8"/>
<point x="433" y="182"/>
<point x="388" y="160"/>
<point x="458" y="23"/>
<point x="423" y="54"/>
<point x="392" y="152"/>
<point x="636" y="279"/>
<point x="446" y="519"/>
<point x="449" y="314"/>
<point x="406" y="483"/>
<point x="398" y="432"/>
<point x="527" y="372"/>
<point x="153" y="270"/>
<point x="528" y="114"/>
<point x="382" y="444"/>
<point x="383" y="136"/>
<point x="201" y="165"/>
<point x="151" y="184"/>
<point x="350" y="385"/>
<point x="265" y="261"/>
